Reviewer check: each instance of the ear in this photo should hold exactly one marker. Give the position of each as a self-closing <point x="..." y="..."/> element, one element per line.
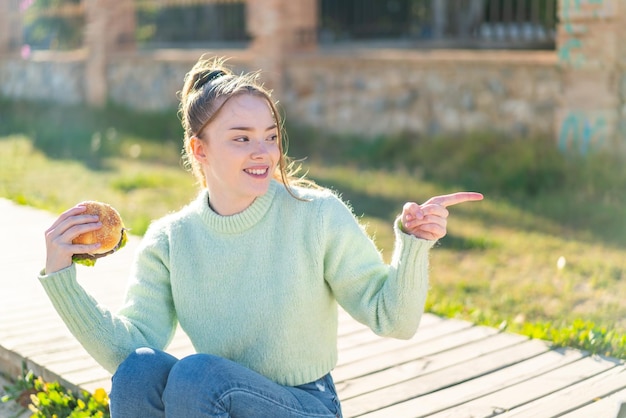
<point x="198" y="148"/>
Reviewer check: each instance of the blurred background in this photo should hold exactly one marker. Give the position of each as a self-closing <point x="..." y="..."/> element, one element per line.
<point x="385" y="101"/>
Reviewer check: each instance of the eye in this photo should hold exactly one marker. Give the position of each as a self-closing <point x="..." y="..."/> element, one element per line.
<point x="241" y="139"/>
<point x="272" y="138"/>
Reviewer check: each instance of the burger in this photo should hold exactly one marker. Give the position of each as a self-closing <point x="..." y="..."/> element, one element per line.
<point x="111" y="236"/>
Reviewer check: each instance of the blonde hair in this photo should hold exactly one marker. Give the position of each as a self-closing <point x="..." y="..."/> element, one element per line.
<point x="207" y="87"/>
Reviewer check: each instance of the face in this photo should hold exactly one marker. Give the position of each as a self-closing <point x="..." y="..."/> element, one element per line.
<point x="238" y="152"/>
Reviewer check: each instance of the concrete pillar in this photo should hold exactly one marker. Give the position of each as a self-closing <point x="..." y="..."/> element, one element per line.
<point x="10" y="26"/>
<point x="278" y="29"/>
<point x="591" y="52"/>
<point x="109" y="28"/>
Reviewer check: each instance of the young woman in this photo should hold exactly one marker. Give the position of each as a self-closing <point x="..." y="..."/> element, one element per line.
<point x="252" y="269"/>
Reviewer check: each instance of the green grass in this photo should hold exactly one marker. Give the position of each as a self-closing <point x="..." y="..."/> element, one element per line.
<point x="497" y="266"/>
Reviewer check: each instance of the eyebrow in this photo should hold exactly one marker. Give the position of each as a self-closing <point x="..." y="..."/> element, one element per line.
<point x="248" y="129"/>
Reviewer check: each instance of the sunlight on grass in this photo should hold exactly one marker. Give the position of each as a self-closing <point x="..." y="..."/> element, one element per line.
<point x="139" y="190"/>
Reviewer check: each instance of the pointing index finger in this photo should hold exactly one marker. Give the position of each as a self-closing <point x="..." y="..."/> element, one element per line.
<point x="454" y="198"/>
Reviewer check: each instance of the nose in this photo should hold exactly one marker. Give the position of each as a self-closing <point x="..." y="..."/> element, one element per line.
<point x="260" y="149"/>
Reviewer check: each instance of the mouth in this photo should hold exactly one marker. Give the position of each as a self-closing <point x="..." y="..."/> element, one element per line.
<point x="258" y="172"/>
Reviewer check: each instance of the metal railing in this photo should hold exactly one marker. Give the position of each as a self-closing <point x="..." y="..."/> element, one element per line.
<point x="529" y="24"/>
<point x="191" y="23"/>
<point x="440" y="23"/>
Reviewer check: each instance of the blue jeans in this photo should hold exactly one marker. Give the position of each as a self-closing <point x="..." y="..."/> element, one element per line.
<point x="152" y="383"/>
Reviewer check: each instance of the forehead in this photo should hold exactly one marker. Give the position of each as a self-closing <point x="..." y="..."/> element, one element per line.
<point x="248" y="108"/>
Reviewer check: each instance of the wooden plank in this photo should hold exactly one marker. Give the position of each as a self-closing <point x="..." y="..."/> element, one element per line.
<point x="382" y="345"/>
<point x="605" y="407"/>
<point x="33" y="350"/>
<point x="28" y="312"/>
<point x="513" y="396"/>
<point x="446" y="377"/>
<point x="37" y="328"/>
<point x="102" y="383"/>
<point x="463" y="388"/>
<point x="355" y="339"/>
<point x="575" y="396"/>
<point x="438" y="339"/>
<point x="82" y="377"/>
<point x="360" y="334"/>
<point x="364" y="385"/>
<point x="59" y="357"/>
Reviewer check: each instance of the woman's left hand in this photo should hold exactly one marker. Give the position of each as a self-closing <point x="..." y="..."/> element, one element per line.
<point x="429" y="220"/>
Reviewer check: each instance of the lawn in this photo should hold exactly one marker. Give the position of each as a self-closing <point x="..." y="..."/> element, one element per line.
<point x="543" y="254"/>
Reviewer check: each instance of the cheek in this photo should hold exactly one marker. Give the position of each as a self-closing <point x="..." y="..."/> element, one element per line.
<point x="276" y="153"/>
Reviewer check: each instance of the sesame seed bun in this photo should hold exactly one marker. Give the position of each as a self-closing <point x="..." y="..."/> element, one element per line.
<point x="111" y="235"/>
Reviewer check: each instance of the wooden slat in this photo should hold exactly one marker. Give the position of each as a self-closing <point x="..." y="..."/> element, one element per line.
<point x="365" y="385"/>
<point x="574" y="397"/>
<point x="604" y="407"/>
<point x="472" y="385"/>
<point x="433" y="373"/>
<point x="513" y="396"/>
<point x="367" y="365"/>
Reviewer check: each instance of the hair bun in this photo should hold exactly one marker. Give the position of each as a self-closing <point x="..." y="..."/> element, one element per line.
<point x="207" y="78"/>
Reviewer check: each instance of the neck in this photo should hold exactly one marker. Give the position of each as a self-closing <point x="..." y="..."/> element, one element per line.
<point x="228" y="209"/>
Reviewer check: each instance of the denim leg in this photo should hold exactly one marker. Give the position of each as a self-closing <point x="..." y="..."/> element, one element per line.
<point x="138" y="384"/>
<point x="203" y="385"/>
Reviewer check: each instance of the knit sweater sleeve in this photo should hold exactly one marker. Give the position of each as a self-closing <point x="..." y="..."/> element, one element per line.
<point x="388" y="298"/>
<point x="147" y="318"/>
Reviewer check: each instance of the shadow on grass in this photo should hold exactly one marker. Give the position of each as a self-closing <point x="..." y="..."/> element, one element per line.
<point x="83" y="134"/>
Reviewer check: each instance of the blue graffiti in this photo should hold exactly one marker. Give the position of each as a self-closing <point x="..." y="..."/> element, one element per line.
<point x="565" y="52"/>
<point x="579" y="132"/>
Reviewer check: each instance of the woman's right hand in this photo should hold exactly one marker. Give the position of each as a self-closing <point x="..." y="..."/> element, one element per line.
<point x="69" y="225"/>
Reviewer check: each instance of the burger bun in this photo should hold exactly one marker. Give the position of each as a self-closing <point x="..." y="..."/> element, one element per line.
<point x="111" y="232"/>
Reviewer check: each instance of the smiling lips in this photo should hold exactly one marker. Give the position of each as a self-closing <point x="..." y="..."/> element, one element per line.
<point x="258" y="172"/>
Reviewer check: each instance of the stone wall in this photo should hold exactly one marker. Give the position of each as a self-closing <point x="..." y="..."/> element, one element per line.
<point x="54" y="77"/>
<point x="151" y="81"/>
<point x="439" y="92"/>
<point x="367" y="92"/>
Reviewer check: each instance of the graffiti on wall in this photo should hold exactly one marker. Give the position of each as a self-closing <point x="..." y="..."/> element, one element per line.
<point x="582" y="132"/>
<point x="574" y="13"/>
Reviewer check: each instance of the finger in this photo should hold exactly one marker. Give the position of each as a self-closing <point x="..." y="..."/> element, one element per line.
<point x="79" y="229"/>
<point x="454" y="198"/>
<point x="411" y="211"/>
<point x="76" y="210"/>
<point x="435" y="230"/>
<point x="70" y="219"/>
<point x="85" y="248"/>
<point x="430" y="210"/>
<point x="60" y="238"/>
<point x="429" y="231"/>
<point x="428" y="219"/>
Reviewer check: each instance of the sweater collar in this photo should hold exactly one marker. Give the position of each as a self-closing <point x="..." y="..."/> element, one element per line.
<point x="241" y="221"/>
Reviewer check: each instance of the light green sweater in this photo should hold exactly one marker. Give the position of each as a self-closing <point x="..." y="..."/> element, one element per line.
<point x="260" y="287"/>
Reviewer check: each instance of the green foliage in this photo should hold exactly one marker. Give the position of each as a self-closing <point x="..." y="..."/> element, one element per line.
<point x="53" y="31"/>
<point x="585" y="335"/>
<point x="579" y="334"/>
<point x="52" y="400"/>
<point x="22" y="386"/>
